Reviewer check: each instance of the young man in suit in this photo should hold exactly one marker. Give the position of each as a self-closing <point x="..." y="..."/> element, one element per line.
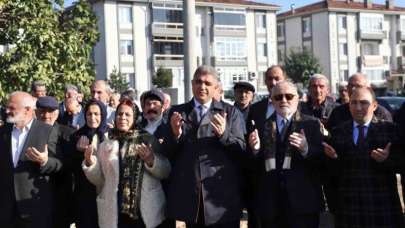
<point x="206" y="137"/>
<point x="27" y="160"/>
<point x="365" y="155"/>
<point x="288" y="191"/>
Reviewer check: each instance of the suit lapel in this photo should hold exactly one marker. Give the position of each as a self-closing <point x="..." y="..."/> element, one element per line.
<point x="6" y="138"/>
<point x="28" y="140"/>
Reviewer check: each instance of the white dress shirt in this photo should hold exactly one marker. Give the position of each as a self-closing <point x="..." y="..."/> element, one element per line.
<point x="18" y="138"/>
<point x="153" y="125"/>
<point x="356" y="130"/>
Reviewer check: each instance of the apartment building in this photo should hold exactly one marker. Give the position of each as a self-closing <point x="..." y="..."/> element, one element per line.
<point x="237" y="37"/>
<point x="348" y="37"/>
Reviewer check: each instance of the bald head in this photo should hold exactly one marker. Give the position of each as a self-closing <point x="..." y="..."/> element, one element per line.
<point x="357" y="80"/>
<point x="20" y="109"/>
<point x="100" y="91"/>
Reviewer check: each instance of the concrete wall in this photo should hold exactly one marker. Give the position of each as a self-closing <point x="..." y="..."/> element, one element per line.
<point x="353" y="49"/>
<point x="251" y="41"/>
<point x="271" y="23"/>
<point x="141" y="46"/>
<point x="99" y="50"/>
<point x="111" y="40"/>
<point x="293" y="33"/>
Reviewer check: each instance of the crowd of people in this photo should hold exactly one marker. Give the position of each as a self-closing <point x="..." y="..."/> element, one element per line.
<point x="113" y="161"/>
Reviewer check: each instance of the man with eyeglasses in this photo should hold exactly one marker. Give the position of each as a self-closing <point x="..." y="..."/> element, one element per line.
<point x="288" y="190"/>
<point x="365" y="155"/>
<point x="342" y="112"/>
<point x="258" y="113"/>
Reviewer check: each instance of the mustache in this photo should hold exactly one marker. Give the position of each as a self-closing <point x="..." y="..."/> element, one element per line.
<point x="152" y="111"/>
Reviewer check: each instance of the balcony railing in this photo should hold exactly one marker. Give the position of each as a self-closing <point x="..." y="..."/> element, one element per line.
<point x="401" y="35"/>
<point x="401" y="62"/>
<point x="168" y="60"/>
<point x="167" y="29"/>
<point x="373" y="35"/>
<point x="373" y="60"/>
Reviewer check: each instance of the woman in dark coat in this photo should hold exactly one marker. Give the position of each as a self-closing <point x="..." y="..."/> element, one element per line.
<point x="91" y="134"/>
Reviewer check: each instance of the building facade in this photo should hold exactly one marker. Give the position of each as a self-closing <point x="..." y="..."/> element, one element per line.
<point x="237" y="37"/>
<point x="348" y="37"/>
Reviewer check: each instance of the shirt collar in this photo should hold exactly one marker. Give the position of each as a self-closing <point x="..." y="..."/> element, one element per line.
<point x="27" y="127"/>
<point x="280" y="118"/>
<point x="366" y="124"/>
<point x="206" y="105"/>
<point x="155" y="122"/>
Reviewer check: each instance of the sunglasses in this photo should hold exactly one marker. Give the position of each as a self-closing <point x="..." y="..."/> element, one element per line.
<point x="279" y="97"/>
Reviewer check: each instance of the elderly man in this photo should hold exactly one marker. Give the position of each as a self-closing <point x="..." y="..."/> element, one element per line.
<point x="47" y="112"/>
<point x="258" y="113"/>
<point x="343" y="93"/>
<point x="365" y="154"/>
<point x="205" y="138"/>
<point x="342" y="112"/>
<point x="38" y="89"/>
<point x="244" y="94"/>
<point x="288" y="190"/>
<point x="101" y="91"/>
<point x="152" y="108"/>
<point x="27" y="161"/>
<point x="319" y="104"/>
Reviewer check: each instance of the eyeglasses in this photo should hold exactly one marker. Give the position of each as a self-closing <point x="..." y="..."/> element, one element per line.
<point x="279" y="97"/>
<point x="362" y="103"/>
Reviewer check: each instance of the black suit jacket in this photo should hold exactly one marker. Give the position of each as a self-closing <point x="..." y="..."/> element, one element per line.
<point x="301" y="183"/>
<point x="204" y="164"/>
<point x="26" y="190"/>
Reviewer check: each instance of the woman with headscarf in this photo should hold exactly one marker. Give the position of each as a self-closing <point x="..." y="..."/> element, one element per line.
<point x="127" y="170"/>
<point x="91" y="134"/>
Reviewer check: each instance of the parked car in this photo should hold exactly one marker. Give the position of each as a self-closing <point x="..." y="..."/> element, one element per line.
<point x="391" y="103"/>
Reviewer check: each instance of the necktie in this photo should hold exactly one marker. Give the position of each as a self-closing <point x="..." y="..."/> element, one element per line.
<point x="284" y="127"/>
<point x="201" y="112"/>
<point x="361" y="137"/>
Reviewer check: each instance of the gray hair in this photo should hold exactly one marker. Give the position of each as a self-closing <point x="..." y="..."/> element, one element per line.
<point x="71" y="87"/>
<point x="284" y="83"/>
<point x="26" y="99"/>
<point x="318" y="77"/>
<point x="108" y="89"/>
<point x="204" y="70"/>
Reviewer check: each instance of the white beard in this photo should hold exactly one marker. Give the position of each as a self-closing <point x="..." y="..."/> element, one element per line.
<point x="17" y="118"/>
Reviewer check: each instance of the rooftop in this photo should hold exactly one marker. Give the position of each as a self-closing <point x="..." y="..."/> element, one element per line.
<point x="332" y="5"/>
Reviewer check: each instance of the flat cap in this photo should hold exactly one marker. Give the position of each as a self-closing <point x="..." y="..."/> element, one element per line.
<point x="244" y="85"/>
<point x="47" y="102"/>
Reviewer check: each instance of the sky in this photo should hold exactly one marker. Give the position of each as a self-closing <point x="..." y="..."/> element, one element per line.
<point x="285" y="4"/>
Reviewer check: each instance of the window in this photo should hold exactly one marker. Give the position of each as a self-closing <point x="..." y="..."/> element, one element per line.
<point x="168" y="48"/>
<point x="306" y="26"/>
<point x="371" y="24"/>
<point x="262" y="49"/>
<point x="370" y="48"/>
<point x="375" y="75"/>
<point x="230" y="75"/>
<point x="125" y="14"/>
<point x="230" y="48"/>
<point x="126" y="47"/>
<point x="342" y="49"/>
<point x="261" y="78"/>
<point x="344" y="75"/>
<point x="261" y="20"/>
<point x="167" y="15"/>
<point x="403" y="50"/>
<point x="342" y="22"/>
<point x="280" y="30"/>
<point x="235" y="19"/>
<point x="403" y="24"/>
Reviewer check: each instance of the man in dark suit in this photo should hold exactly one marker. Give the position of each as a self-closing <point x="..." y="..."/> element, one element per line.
<point x="258" y="113"/>
<point x="244" y="93"/>
<point x="366" y="155"/>
<point x="342" y="112"/>
<point x="288" y="190"/>
<point x="47" y="111"/>
<point x="27" y="159"/>
<point x="206" y="137"/>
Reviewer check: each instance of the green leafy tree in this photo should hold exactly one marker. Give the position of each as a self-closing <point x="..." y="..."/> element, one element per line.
<point x="46" y="42"/>
<point x="117" y="81"/>
<point x="300" y="65"/>
<point x="163" y="78"/>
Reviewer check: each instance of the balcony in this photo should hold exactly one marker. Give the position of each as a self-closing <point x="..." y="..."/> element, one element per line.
<point x="401" y="35"/>
<point x="167" y="29"/>
<point x="373" y="35"/>
<point x="373" y="60"/>
<point x="401" y="63"/>
<point x="229" y="61"/>
<point x="234" y="31"/>
<point x="168" y="60"/>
